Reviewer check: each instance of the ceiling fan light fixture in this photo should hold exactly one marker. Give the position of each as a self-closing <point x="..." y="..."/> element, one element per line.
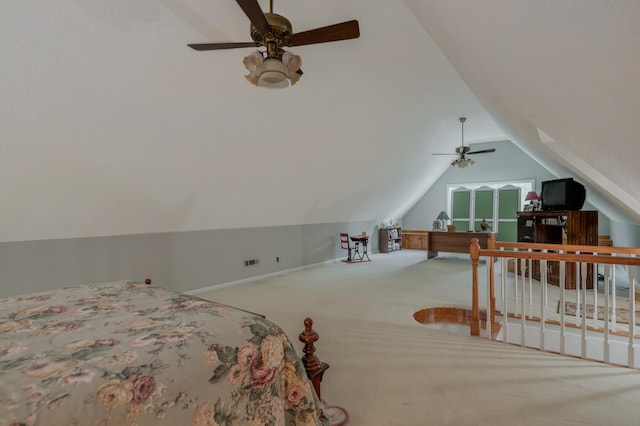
<point x="462" y="162"/>
<point x="253" y="61"/>
<point x="273" y="73"/>
<point x="291" y="61"/>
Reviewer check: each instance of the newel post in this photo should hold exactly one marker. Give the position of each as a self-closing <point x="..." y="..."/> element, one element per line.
<point x="491" y="241"/>
<point x="474" y="253"/>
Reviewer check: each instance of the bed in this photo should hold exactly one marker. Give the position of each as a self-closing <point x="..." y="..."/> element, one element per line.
<point x="128" y="353"/>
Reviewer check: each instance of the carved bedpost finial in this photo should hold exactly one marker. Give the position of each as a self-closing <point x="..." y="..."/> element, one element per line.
<point x="309" y="337"/>
<point x="315" y="369"/>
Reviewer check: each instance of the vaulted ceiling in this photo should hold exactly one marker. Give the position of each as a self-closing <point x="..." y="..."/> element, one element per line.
<point x="112" y="125"/>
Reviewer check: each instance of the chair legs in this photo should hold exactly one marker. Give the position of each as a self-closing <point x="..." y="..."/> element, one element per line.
<point x="358" y="254"/>
<point x="356" y="251"/>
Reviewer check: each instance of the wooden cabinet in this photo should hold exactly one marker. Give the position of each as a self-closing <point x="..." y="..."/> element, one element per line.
<point x="559" y="227"/>
<point x="390" y="240"/>
<point x="455" y="242"/>
<point x="415" y="240"/>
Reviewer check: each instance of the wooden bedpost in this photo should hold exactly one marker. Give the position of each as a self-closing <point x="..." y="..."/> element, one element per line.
<point x="474" y="253"/>
<point x="315" y="368"/>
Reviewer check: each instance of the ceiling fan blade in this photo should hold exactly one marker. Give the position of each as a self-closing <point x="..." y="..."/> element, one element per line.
<point x="251" y="8"/>
<point x="342" y="31"/>
<point x="220" y="46"/>
<point x="484" y="151"/>
<point x="443" y="154"/>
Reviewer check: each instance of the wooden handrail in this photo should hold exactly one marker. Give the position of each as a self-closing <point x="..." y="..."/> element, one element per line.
<point x="493" y="244"/>
<point x="536" y="251"/>
<point x="563" y="257"/>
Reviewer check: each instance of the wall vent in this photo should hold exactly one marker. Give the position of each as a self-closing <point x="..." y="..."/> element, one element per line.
<point x="251" y="262"/>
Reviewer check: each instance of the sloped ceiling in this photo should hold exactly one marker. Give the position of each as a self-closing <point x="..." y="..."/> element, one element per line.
<point x="561" y="78"/>
<point x="111" y="125"/>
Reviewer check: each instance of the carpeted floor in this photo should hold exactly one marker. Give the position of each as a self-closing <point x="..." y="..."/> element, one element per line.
<point x="386" y="369"/>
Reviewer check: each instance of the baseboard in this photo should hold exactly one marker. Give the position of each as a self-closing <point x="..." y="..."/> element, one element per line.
<point x="258" y="277"/>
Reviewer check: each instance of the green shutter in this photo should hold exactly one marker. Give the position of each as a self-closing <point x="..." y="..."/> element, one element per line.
<point x="461" y="204"/>
<point x="484" y="207"/>
<point x="508" y="232"/>
<point x="509" y="203"/>
<point x="484" y="204"/>
<point x="461" y="225"/>
<point x="461" y="210"/>
<point x="509" y="200"/>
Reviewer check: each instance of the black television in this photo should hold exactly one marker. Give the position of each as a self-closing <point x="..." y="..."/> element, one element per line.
<point x="562" y="194"/>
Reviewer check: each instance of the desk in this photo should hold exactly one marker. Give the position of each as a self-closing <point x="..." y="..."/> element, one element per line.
<point x="360" y="239"/>
<point x="415" y="239"/>
<point x="454" y="242"/>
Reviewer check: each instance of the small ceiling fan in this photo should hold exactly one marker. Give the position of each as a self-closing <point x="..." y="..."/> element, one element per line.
<point x="276" y="67"/>
<point x="462" y="151"/>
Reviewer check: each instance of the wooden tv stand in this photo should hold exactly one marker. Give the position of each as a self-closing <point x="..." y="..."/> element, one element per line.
<point x="574" y="227"/>
<point x="454" y="242"/>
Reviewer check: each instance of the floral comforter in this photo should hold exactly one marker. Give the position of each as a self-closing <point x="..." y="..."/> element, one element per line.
<point x="133" y="354"/>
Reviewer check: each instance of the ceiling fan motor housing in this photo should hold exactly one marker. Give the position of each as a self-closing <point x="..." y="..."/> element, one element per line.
<point x="281" y="29"/>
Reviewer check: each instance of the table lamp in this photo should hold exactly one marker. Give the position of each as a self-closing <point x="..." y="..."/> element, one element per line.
<point x="443" y="217"/>
<point x="533" y="199"/>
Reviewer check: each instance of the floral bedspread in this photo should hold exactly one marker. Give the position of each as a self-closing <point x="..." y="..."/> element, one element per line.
<point x="133" y="354"/>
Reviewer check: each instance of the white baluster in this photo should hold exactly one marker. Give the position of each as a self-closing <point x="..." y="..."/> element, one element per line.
<point x="562" y="306"/>
<point x="632" y="314"/>
<point x="503" y="285"/>
<point x="521" y="269"/>
<point x="576" y="279"/>
<point x="488" y="287"/>
<point x="505" y="314"/>
<point x="523" y="311"/>
<point x="613" y="297"/>
<point x="583" y="283"/>
<point x="607" y="309"/>
<point x="530" y="286"/>
<point x="543" y="302"/>
<point x="594" y="281"/>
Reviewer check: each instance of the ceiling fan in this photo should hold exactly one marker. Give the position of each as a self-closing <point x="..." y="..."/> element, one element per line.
<point x="462" y="151"/>
<point x="276" y="67"/>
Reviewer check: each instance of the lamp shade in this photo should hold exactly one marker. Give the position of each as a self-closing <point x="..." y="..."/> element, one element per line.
<point x="532" y="196"/>
<point x="443" y="215"/>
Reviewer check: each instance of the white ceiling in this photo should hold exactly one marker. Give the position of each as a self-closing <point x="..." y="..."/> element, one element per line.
<point x="112" y="125"/>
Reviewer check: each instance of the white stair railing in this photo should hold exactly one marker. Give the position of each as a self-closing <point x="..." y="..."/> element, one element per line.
<point x="556" y="332"/>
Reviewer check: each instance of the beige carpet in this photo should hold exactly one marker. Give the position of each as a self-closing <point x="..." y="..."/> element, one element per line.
<point x="386" y="369"/>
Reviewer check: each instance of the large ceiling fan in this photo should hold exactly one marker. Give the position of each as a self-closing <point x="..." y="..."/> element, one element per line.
<point x="462" y="151"/>
<point x="275" y="67"/>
